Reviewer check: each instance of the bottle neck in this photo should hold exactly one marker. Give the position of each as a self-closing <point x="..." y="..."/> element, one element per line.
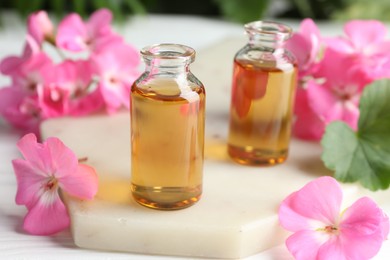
<point x="268" y="35"/>
<point x="170" y="66"/>
<point x="168" y="58"/>
<point x="265" y="42"/>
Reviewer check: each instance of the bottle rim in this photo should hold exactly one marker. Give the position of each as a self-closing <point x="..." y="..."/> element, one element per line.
<point x="169" y="51"/>
<point x="269" y="30"/>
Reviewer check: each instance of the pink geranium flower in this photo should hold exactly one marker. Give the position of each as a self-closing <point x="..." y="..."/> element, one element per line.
<point x="28" y="76"/>
<point x="20" y="109"/>
<point x="42" y="89"/>
<point x="366" y="44"/>
<point x="67" y="89"/>
<point x="40" y="27"/>
<point x="308" y="124"/>
<point x="45" y="169"/>
<point x="337" y="97"/>
<point x="11" y="65"/>
<point x="76" y="35"/>
<point x="117" y="70"/>
<point x="322" y="232"/>
<point x="306" y="45"/>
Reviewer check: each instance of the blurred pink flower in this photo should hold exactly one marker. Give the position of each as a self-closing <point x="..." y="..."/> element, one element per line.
<point x="28" y="75"/>
<point x="42" y="89"/>
<point x="40" y="27"/>
<point x="333" y="73"/>
<point x="75" y="35"/>
<point x="10" y="65"/>
<point x="20" y="109"/>
<point x="307" y="125"/>
<point x="306" y="45"/>
<point x="45" y="169"/>
<point x="117" y="70"/>
<point x="337" y="98"/>
<point x="366" y="44"/>
<point x="67" y="90"/>
<point x="19" y="102"/>
<point x="322" y="232"/>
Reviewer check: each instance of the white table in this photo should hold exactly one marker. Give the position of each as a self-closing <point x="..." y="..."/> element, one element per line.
<point x="140" y="31"/>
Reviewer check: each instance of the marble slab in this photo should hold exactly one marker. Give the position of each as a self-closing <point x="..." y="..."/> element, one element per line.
<point x="237" y="215"/>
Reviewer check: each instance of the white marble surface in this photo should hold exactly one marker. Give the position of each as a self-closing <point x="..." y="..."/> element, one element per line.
<point x="196" y="32"/>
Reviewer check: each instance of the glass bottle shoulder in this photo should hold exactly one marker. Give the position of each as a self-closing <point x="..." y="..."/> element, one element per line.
<point x="272" y="59"/>
<point x="182" y="88"/>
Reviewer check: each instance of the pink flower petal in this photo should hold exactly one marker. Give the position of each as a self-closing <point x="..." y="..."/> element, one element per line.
<point x="10" y="64"/>
<point x="339" y="44"/>
<point x="364" y="217"/>
<point x="106" y="42"/>
<point x="308" y="26"/>
<point x="365" y="247"/>
<point x="117" y="68"/>
<point x="334" y="67"/>
<point x="350" y="114"/>
<point x="304" y="244"/>
<point x="385" y="226"/>
<point x="331" y="107"/>
<point x="10" y="97"/>
<point x="86" y="105"/>
<point x="99" y="22"/>
<point x="300" y="47"/>
<point x="48" y="216"/>
<point x="362" y="229"/>
<point x="322" y="100"/>
<point x="53" y="100"/>
<point x="333" y="249"/>
<point x="307" y="125"/>
<point x="72" y="33"/>
<point x="293" y="220"/>
<point x="380" y="48"/>
<point x="66" y="162"/>
<point x="39" y="26"/>
<point x="306" y="45"/>
<point x="29" y="182"/>
<point x="20" y="110"/>
<point x="36" y="153"/>
<point x="309" y="29"/>
<point x="310" y="203"/>
<point x="82" y="184"/>
<point x="364" y="33"/>
<point x="115" y="95"/>
<point x="337" y="98"/>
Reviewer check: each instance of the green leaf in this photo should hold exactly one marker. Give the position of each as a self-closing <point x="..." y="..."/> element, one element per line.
<point x="243" y="11"/>
<point x="363" y="156"/>
<point x="58" y="6"/>
<point x="79" y="7"/>
<point x="304" y="8"/>
<point x="135" y="6"/>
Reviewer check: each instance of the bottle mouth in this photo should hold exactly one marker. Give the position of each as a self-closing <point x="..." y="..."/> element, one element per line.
<point x="269" y="31"/>
<point x="169" y="51"/>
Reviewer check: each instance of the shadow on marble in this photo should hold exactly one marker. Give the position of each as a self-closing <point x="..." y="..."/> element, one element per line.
<point x="312" y="165"/>
<point x="16" y="221"/>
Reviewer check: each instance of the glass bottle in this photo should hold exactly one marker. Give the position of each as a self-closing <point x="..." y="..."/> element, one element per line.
<point x="167" y="129"/>
<point x="263" y="90"/>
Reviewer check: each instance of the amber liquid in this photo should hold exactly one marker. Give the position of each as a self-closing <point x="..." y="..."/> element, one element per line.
<point x="261" y="111"/>
<point x="167" y="123"/>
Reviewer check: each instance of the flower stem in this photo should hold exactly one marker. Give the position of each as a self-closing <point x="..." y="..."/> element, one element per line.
<point x="83" y="159"/>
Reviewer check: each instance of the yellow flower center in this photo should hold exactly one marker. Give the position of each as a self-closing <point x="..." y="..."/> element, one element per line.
<point x="332" y="230"/>
<point x="51" y="184"/>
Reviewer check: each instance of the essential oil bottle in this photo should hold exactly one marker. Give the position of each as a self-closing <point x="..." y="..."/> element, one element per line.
<point x="263" y="89"/>
<point x="167" y="129"/>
